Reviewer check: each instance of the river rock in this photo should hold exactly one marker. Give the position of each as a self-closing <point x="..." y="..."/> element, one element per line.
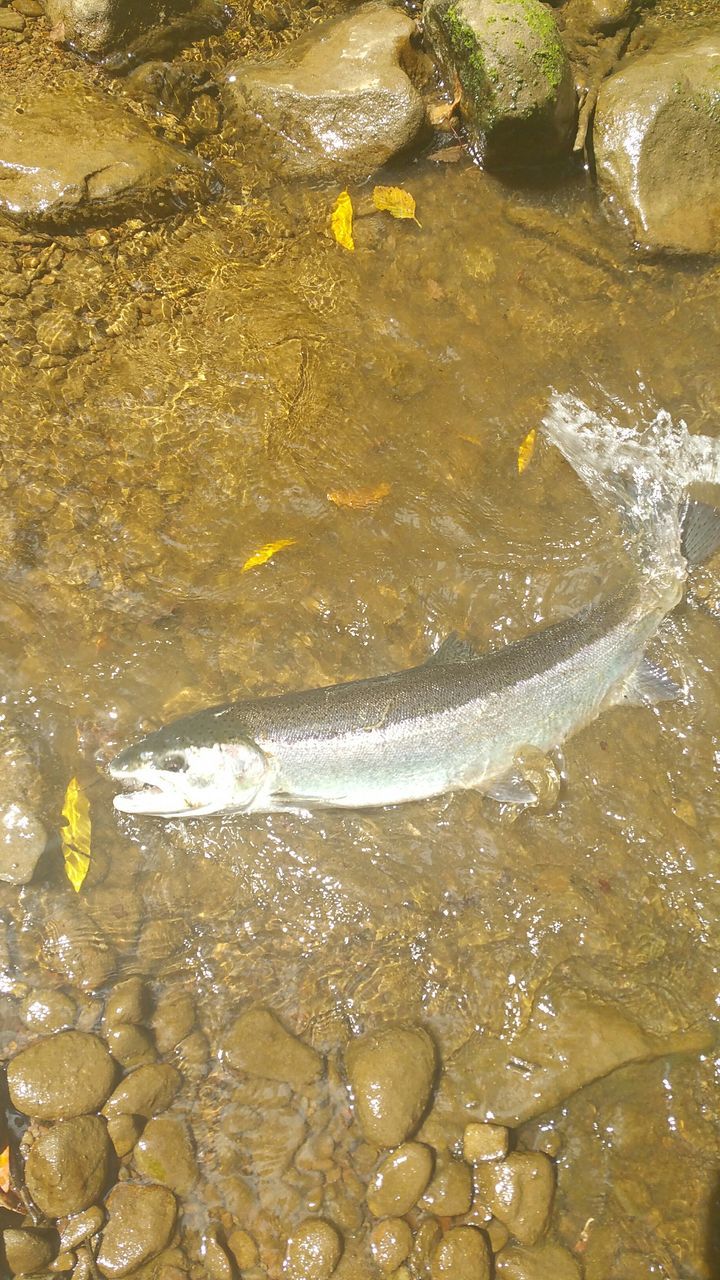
<point x="127" y="1003"/>
<point x="451" y="1190"/>
<point x="463" y="1254"/>
<point x="140" y="1223"/>
<point x="165" y="1153"/>
<point x="28" y="1250"/>
<point x="657" y="144"/>
<point x="69" y="1167"/>
<point x="336" y="103"/>
<point x="22" y="840"/>
<point x="63" y="1075"/>
<point x="567" y="1043"/>
<point x="123" y="1132"/>
<point x="259" y="1045"/>
<point x="400" y="1180"/>
<point x="546" y="1261"/>
<point x="48" y="1010"/>
<point x="153" y="26"/>
<point x="313" y="1251"/>
<point x="70" y="154"/>
<point x="485" y="1142"/>
<point x="518" y="100"/>
<point x="390" y="1243"/>
<point x="519" y="1191"/>
<point x="130" y="1046"/>
<point x="173" y="1020"/>
<point x="80" y="1227"/>
<point x="391" y="1074"/>
<point x="145" y="1092"/>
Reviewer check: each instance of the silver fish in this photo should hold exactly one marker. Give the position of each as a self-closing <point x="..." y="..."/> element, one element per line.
<point x="460" y="720"/>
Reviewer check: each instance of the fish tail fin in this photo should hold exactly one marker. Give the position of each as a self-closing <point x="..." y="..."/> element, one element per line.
<point x="646" y="476"/>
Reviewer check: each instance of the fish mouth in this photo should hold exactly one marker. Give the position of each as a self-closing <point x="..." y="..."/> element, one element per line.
<point x="146" y="794"/>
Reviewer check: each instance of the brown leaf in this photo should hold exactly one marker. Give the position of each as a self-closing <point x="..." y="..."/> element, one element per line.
<point x="356" y="499"/>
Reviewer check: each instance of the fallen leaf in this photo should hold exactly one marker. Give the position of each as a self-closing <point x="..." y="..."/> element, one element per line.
<point x="341" y="221"/>
<point x="5" y="1169"/>
<point x="471" y="440"/>
<point x="266" y="553"/>
<point x="526" y="451"/>
<point x="359" y="498"/>
<point x="75" y="835"/>
<point x="395" y="201"/>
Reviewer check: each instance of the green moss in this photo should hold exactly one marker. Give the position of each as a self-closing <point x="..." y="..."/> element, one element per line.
<point x="476" y="77"/>
<point x="549" y="58"/>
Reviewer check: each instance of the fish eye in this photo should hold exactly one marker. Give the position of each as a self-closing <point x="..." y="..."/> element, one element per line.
<point x="174" y="762"/>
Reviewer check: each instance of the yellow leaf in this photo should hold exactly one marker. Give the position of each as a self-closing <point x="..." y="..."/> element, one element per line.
<point x="5" y="1169"/>
<point x="341" y="221"/>
<point x="359" y="498"/>
<point x="395" y="201"/>
<point x="266" y="553"/>
<point x="75" y="835"/>
<point x="526" y="451"/>
<point x="471" y="439"/>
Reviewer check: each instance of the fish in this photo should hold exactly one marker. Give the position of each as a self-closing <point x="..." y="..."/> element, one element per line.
<point x="461" y="719"/>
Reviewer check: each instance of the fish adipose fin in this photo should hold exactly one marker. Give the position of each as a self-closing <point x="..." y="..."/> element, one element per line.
<point x="452" y="649"/>
<point x="700" y="531"/>
<point x="648" y="685"/>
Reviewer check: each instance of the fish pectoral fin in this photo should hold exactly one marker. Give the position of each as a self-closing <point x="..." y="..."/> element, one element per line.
<point x="452" y="649"/>
<point x="513" y="788"/>
<point x="648" y="685"/>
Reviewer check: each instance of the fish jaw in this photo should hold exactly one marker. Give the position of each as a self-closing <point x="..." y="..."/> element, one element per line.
<point x="221" y="778"/>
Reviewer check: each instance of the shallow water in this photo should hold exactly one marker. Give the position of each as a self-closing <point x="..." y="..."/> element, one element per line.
<point x="239" y="367"/>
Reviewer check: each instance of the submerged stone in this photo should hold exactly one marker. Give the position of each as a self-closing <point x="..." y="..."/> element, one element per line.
<point x="391" y="1073"/>
<point x="519" y="1192"/>
<point x="463" y="1254"/>
<point x="138" y="26"/>
<point x="22" y="840"/>
<point x="27" y="1250"/>
<point x="258" y="1044"/>
<point x="70" y="154"/>
<point x="69" y="1167"/>
<point x="400" y="1180"/>
<point x="656" y="138"/>
<point x="313" y="1251"/>
<point x="339" y="101"/>
<point x="145" y="1092"/>
<point x="518" y="100"/>
<point x="165" y="1153"/>
<point x="140" y="1223"/>
<point x="67" y="1074"/>
<point x="546" y="1261"/>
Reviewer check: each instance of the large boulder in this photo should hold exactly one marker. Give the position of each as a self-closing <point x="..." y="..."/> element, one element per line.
<point x="657" y="144"/>
<point x="338" y="102"/>
<point x="518" y="100"/>
<point x="142" y="27"/>
<point x="70" y="155"/>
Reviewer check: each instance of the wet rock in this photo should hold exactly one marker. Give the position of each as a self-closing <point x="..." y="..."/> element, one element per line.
<point x="313" y="1251"/>
<point x="173" y="1020"/>
<point x="28" y="1250"/>
<point x="130" y="1046"/>
<point x="123" y="1132"/>
<point x="217" y="1262"/>
<point x="390" y="1243"/>
<point x="243" y="1249"/>
<point x="165" y="1153"/>
<point x="546" y="1261"/>
<point x="70" y="154"/>
<point x="463" y="1254"/>
<point x="569" y="1042"/>
<point x="259" y="1045"/>
<point x="22" y="839"/>
<point x="519" y="1191"/>
<point x="657" y="144"/>
<point x="74" y="1231"/>
<point x="518" y="99"/>
<point x="63" y="1075"/>
<point x="450" y="1191"/>
<point x="28" y="8"/>
<point x="485" y="1142"/>
<point x="69" y="1167"/>
<point x="338" y="102"/>
<point x="140" y="1223"/>
<point x="145" y="27"/>
<point x="400" y="1180"/>
<point x="391" y="1074"/>
<point x="59" y="333"/>
<point x="145" y="1092"/>
<point x="74" y="946"/>
<point x="127" y="1002"/>
<point x="48" y="1010"/>
<point x="427" y="1236"/>
<point x="10" y="21"/>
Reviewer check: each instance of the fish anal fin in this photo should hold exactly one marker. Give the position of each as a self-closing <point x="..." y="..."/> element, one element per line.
<point x="452" y="649"/>
<point x="648" y="685"/>
<point x="511" y="788"/>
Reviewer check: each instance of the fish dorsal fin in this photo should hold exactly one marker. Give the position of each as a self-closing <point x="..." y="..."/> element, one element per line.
<point x="648" y="685"/>
<point x="453" y="649"/>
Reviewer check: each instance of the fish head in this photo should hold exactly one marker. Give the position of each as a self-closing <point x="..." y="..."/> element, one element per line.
<point x="168" y="776"/>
